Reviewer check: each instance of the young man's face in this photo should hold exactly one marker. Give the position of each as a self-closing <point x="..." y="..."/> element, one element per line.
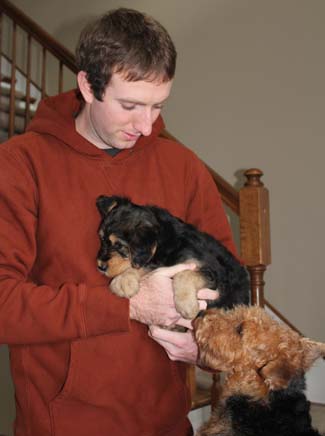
<point x="127" y="111"/>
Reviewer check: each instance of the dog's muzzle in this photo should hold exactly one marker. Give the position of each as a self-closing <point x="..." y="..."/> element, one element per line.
<point x="195" y="321"/>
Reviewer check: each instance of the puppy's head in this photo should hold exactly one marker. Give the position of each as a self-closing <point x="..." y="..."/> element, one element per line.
<point x="260" y="353"/>
<point x="128" y="235"/>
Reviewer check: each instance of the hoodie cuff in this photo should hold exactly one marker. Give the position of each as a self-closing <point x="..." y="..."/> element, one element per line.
<point x="103" y="312"/>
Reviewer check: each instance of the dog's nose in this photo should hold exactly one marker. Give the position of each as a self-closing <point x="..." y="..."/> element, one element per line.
<point x="198" y="316"/>
<point x="102" y="267"/>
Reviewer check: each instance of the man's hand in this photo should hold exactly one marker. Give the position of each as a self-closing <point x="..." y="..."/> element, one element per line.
<point x="178" y="346"/>
<point x="181" y="346"/>
<point x="154" y="303"/>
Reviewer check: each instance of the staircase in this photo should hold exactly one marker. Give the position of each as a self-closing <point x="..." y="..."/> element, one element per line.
<point x="32" y="66"/>
<point x="22" y="112"/>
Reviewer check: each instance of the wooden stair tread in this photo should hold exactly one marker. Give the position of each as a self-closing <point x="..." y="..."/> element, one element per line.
<point x="6" y="79"/>
<point x="19" y="112"/>
<point x="18" y="95"/>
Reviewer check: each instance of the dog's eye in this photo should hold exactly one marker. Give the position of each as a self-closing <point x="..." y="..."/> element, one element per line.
<point x="239" y="329"/>
<point x="117" y="245"/>
<point x="121" y="249"/>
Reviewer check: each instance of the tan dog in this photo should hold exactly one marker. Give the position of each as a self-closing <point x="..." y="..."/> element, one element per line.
<point x="264" y="363"/>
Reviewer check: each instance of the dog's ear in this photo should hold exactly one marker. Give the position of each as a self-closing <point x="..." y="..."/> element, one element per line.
<point x="277" y="374"/>
<point x="312" y="351"/>
<point x="141" y="255"/>
<point x="106" y="204"/>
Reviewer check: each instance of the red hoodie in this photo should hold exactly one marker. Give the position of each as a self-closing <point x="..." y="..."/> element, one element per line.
<point x="80" y="366"/>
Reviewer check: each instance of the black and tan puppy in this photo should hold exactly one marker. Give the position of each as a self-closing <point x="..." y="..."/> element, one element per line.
<point x="138" y="239"/>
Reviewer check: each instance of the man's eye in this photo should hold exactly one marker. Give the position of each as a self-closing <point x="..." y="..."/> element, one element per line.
<point x="128" y="107"/>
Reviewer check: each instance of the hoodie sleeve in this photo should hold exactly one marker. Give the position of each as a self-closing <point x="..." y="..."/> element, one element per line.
<point x="32" y="313"/>
<point x="205" y="209"/>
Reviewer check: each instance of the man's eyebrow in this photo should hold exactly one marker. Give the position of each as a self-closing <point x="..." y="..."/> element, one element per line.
<point x="140" y="103"/>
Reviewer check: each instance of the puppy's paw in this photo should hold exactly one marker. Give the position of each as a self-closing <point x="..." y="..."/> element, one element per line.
<point x="126" y="284"/>
<point x="187" y="307"/>
<point x="186" y="284"/>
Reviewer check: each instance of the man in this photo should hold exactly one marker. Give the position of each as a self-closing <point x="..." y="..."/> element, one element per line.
<point x="83" y="360"/>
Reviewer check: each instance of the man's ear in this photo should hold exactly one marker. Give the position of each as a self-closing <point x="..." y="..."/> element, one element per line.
<point x="106" y="204"/>
<point x="85" y="87"/>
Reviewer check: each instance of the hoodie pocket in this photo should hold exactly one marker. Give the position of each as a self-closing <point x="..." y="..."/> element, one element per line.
<point x="121" y="384"/>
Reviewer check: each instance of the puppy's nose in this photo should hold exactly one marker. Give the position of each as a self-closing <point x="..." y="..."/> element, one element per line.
<point x="102" y="267"/>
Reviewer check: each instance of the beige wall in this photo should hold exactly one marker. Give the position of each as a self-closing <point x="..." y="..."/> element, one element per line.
<point x="249" y="93"/>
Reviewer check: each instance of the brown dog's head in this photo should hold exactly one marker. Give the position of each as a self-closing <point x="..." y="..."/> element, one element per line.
<point x="258" y="353"/>
<point x="128" y="235"/>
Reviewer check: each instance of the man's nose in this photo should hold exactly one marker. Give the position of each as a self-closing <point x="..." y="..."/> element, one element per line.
<point x="143" y="123"/>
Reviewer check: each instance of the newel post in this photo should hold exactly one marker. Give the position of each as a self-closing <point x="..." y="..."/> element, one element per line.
<point x="255" y="245"/>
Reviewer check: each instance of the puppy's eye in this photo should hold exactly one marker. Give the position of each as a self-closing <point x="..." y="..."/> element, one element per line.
<point x="121" y="249"/>
<point x="239" y="329"/>
<point x="117" y="245"/>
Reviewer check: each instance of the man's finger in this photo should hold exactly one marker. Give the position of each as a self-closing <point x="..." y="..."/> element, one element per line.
<point x="185" y="323"/>
<point x="160" y="334"/>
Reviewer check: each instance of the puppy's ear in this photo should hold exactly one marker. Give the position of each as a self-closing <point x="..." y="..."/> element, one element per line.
<point x="142" y="255"/>
<point x="106" y="204"/>
<point x="312" y="351"/>
<point x="277" y="374"/>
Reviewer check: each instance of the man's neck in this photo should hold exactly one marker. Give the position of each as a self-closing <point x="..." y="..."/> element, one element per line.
<point x="80" y="124"/>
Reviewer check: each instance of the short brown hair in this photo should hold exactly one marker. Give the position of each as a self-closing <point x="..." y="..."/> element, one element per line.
<point x="128" y="42"/>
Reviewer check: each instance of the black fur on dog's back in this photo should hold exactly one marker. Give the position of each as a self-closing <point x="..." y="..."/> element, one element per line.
<point x="175" y="242"/>
<point x="179" y="242"/>
<point x="287" y="413"/>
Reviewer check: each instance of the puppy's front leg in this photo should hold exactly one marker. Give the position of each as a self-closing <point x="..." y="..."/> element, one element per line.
<point x="126" y="284"/>
<point x="186" y="284"/>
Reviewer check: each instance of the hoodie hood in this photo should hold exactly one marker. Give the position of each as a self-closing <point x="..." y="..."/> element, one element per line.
<point x="56" y="115"/>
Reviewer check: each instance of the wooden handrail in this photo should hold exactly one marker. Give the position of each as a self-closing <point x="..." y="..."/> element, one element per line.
<point x="281" y="317"/>
<point x="229" y="195"/>
<point x="39" y="34"/>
